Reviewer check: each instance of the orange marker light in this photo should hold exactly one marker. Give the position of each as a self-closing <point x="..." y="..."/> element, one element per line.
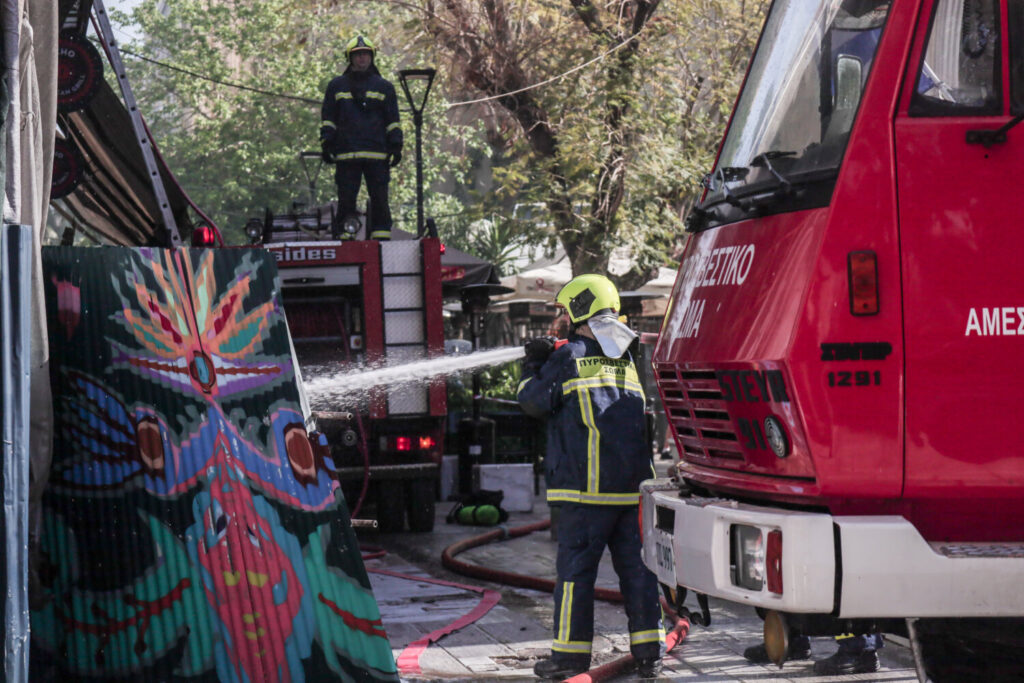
<point x="862" y="273"/>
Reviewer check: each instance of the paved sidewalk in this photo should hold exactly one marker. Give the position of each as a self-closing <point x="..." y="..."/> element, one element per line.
<point x="505" y="643"/>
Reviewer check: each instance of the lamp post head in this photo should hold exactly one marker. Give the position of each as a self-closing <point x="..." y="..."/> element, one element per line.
<point x="423" y="78"/>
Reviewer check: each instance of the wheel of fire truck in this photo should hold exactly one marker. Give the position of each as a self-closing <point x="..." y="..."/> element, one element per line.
<point x="972" y="650"/>
<point x="420" y="504"/>
<point x="390" y="497"/>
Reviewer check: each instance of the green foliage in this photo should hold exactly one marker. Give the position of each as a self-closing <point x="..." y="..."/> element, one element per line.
<point x="613" y="151"/>
<point x="499" y="381"/>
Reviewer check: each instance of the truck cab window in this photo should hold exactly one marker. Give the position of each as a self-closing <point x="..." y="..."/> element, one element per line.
<point x="1015" y="24"/>
<point x="959" y="74"/>
<point x="793" y="119"/>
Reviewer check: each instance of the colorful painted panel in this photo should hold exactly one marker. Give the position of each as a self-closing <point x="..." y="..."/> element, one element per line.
<point x="192" y="530"/>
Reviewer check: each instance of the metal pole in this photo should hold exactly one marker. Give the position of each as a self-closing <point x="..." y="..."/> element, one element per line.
<point x="145" y="144"/>
<point x="15" y="384"/>
<point x="417" y="119"/>
<point x="474" y="321"/>
<point x="915" y="648"/>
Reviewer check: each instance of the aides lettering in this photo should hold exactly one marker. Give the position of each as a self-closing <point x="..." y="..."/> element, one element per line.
<point x="288" y="254"/>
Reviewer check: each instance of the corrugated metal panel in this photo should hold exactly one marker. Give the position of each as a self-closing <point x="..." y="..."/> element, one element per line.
<point x="192" y="528"/>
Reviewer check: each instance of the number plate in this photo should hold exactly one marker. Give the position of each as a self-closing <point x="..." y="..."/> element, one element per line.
<point x="663" y="557"/>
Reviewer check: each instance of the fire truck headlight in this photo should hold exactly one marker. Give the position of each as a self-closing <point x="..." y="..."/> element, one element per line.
<point x="254" y="230"/>
<point x="776" y="435"/>
<point x="351" y="225"/>
<point x="746" y="560"/>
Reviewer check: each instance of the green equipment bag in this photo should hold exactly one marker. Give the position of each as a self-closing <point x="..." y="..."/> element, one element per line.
<point x="480" y="508"/>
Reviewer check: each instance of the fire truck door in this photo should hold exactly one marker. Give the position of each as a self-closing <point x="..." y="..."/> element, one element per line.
<point x="961" y="226"/>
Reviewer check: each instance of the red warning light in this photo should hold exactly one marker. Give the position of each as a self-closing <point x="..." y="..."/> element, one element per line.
<point x="203" y="236"/>
<point x="426" y="443"/>
<point x="403" y="443"/>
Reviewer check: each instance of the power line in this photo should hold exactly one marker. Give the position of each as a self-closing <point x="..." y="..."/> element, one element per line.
<point x="218" y="81"/>
<point x="549" y="80"/>
<point x="450" y="105"/>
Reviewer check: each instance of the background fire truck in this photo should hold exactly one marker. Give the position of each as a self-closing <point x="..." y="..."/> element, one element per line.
<point x="354" y="305"/>
<point x="838" y="361"/>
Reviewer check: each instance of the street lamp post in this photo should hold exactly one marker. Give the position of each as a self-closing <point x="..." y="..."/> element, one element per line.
<point x="424" y="78"/>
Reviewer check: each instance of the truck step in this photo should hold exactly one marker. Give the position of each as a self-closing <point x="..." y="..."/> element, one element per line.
<point x="973" y="550"/>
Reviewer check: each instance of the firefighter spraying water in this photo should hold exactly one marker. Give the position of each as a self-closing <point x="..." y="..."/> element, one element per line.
<point x="589" y="393"/>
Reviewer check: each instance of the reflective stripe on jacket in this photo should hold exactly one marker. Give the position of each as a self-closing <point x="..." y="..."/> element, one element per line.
<point x="360" y="117"/>
<point x="597" y="452"/>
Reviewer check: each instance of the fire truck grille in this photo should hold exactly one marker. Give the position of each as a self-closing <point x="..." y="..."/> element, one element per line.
<point x="696" y="409"/>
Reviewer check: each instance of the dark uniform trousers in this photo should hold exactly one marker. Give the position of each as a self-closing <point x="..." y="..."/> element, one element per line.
<point x="347" y="176"/>
<point x="583" y="533"/>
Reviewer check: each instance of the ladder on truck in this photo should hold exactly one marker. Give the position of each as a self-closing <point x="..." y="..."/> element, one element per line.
<point x="142" y="136"/>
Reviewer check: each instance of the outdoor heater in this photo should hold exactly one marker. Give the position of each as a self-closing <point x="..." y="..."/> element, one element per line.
<point x="476" y="433"/>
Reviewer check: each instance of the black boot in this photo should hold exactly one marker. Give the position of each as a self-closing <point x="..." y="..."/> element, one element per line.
<point x="841" y="663"/>
<point x="648" y="668"/>
<point x="552" y="669"/>
<point x="799" y="648"/>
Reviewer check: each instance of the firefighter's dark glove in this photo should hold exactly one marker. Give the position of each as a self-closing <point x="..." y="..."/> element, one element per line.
<point x="394" y="158"/>
<point x="538" y="349"/>
<point x="325" y="154"/>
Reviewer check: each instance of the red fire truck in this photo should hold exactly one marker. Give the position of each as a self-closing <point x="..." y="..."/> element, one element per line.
<point x="357" y="304"/>
<point x="841" y="360"/>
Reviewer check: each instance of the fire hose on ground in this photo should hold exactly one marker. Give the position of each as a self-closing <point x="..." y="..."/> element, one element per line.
<point x="604" y="672"/>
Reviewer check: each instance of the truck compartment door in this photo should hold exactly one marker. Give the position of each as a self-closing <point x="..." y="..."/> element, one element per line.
<point x="963" y="286"/>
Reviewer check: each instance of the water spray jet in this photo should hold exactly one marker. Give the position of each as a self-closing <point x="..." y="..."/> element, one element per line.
<point x="324" y="388"/>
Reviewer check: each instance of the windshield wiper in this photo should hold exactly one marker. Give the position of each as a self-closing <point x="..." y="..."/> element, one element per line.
<point x="725" y="175"/>
<point x="764" y="159"/>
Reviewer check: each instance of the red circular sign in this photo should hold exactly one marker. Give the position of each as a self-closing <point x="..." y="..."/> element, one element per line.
<point x="79" y="71"/>
<point x="68" y="169"/>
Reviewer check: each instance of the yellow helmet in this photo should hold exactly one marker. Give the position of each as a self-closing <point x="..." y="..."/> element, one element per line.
<point x="586" y="295"/>
<point x="360" y="42"/>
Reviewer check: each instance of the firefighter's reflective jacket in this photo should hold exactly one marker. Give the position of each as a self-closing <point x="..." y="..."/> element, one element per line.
<point x="360" y="117"/>
<point x="597" y="451"/>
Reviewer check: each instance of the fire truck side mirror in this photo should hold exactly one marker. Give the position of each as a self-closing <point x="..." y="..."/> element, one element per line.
<point x="848" y="82"/>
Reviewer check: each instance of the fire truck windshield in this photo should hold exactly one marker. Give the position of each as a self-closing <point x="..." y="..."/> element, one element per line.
<point x="794" y="116"/>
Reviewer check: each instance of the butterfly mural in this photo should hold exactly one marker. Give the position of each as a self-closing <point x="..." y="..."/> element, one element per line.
<point x="188" y="508"/>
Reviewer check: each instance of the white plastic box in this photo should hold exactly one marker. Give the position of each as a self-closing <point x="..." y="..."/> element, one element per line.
<point x="514" y="479"/>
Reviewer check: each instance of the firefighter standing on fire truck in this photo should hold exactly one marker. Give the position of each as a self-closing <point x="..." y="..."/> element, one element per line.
<point x="597" y="455"/>
<point x="361" y="135"/>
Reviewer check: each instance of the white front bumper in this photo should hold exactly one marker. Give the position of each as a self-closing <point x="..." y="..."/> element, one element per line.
<point x="888" y="569"/>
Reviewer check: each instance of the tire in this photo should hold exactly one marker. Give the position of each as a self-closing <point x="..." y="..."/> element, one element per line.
<point x="421" y="504"/>
<point x="973" y="650"/>
<point x="390" y="497"/>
